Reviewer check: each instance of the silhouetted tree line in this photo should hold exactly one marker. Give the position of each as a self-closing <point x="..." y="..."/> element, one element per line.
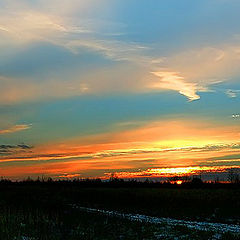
<point x="187" y="182"/>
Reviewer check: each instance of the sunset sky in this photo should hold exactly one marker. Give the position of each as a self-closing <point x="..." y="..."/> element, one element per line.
<point x="140" y="88"/>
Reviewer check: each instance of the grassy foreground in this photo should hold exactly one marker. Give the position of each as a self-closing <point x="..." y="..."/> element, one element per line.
<point x="43" y="211"/>
<point x="71" y="225"/>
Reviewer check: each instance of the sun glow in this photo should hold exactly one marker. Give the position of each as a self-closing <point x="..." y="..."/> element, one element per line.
<point x="179" y="182"/>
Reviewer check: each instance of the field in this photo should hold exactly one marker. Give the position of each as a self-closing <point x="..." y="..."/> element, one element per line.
<point x="59" y="211"/>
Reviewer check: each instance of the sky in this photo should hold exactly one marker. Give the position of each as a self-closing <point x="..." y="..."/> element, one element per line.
<point x="135" y="88"/>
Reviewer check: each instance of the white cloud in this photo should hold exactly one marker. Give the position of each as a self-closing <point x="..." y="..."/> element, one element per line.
<point x="173" y="81"/>
<point x="232" y="93"/>
<point x="235" y="115"/>
<point x="198" y="70"/>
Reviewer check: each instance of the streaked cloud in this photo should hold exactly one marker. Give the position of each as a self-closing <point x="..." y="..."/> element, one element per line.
<point x="170" y="172"/>
<point x="198" y="70"/>
<point x="7" y="150"/>
<point x="94" y="155"/>
<point x="42" y="21"/>
<point x="21" y="146"/>
<point x="156" y="145"/>
<point x="116" y="50"/>
<point x="206" y="148"/>
<point x="226" y="157"/>
<point x="187" y="71"/>
<point x="16" y="128"/>
<point x="232" y="93"/>
<point x="173" y="81"/>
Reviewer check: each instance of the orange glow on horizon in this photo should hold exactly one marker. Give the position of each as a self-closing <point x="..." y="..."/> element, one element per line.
<point x="171" y="172"/>
<point x="164" y="149"/>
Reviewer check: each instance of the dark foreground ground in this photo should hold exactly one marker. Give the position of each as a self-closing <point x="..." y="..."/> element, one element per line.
<point x="32" y="211"/>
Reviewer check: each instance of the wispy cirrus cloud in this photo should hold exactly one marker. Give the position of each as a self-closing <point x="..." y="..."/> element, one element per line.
<point x="173" y="81"/>
<point x="158" y="140"/>
<point x="113" y="49"/>
<point x="149" y="146"/>
<point x="70" y="156"/>
<point x="206" y="148"/>
<point x="232" y="93"/>
<point x="188" y="72"/>
<point x="15" y="128"/>
<point x="41" y="21"/>
<point x="198" y="70"/>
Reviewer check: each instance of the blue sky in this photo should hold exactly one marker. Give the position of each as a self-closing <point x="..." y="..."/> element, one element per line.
<point x="81" y="74"/>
